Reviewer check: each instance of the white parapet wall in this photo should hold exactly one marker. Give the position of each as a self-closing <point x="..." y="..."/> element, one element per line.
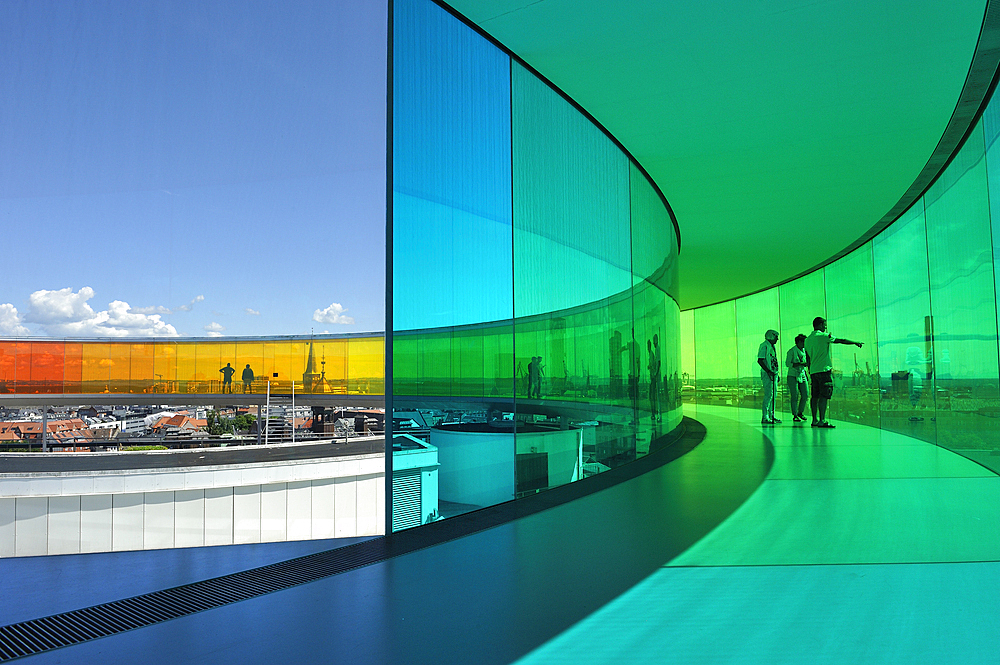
<point x="103" y="511"/>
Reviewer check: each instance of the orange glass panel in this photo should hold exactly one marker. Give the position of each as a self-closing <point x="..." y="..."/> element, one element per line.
<point x="207" y="377"/>
<point x="22" y="367"/>
<point x="120" y="367"/>
<point x="46" y="367"/>
<point x="8" y="357"/>
<point x="165" y="368"/>
<point x="141" y="358"/>
<point x="72" y="368"/>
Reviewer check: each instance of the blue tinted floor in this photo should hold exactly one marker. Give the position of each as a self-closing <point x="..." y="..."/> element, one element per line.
<point x="859" y="546"/>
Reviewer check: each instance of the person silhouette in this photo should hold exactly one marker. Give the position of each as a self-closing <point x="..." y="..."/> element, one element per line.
<point x="248" y="379"/>
<point x="227" y="377"/>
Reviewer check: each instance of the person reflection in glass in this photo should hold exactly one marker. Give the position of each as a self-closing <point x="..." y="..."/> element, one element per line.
<point x="916" y="365"/>
<point x="247" y="379"/>
<point x="227" y="377"/>
<point x="654" y="381"/>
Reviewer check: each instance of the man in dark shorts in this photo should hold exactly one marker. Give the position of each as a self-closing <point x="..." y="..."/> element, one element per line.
<point x="821" y="368"/>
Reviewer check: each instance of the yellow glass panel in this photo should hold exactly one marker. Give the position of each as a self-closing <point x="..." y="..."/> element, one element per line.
<point x="187" y="354"/>
<point x="332" y="356"/>
<point x="228" y="366"/>
<point x="207" y="378"/>
<point x="250" y="354"/>
<point x="119" y="367"/>
<point x="366" y="365"/>
<point x="96" y="368"/>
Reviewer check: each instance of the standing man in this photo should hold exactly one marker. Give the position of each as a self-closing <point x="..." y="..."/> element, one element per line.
<point x="795" y="361"/>
<point x="247" y="379"/>
<point x="821" y="368"/>
<point x="767" y="358"/>
<point x="227" y="377"/>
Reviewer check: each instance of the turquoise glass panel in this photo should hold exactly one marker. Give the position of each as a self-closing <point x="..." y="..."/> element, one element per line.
<point x="571" y="204"/>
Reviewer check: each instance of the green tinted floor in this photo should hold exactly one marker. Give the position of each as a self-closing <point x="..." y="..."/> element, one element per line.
<point x="861" y="546"/>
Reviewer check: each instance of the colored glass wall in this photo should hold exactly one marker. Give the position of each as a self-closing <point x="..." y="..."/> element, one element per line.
<point x="335" y="365"/>
<point x="922" y="296"/>
<point x="535" y="334"/>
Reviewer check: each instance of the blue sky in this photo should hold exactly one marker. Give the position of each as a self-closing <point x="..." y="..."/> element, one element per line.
<point x="194" y="169"/>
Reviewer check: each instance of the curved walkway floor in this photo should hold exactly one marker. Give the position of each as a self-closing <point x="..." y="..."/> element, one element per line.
<point x="862" y="546"/>
<point x="485" y="598"/>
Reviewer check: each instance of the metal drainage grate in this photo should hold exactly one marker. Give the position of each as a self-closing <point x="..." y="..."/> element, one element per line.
<point x="62" y="630"/>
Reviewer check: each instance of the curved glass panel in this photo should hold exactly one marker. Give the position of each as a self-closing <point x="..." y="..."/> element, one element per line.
<point x="535" y="338"/>
<point x="922" y="297"/>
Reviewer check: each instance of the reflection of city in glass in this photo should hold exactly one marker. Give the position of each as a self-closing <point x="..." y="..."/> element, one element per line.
<point x="921" y="295"/>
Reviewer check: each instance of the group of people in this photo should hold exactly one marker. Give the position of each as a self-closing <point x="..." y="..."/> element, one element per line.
<point x="808" y="362"/>
<point x="227" y="378"/>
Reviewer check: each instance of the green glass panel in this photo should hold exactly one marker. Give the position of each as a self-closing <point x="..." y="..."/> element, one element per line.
<point x="755" y="315"/>
<point x="850" y="302"/>
<point x="689" y="369"/>
<point x="903" y="315"/>
<point x="800" y="301"/>
<point x="963" y="303"/>
<point x="715" y="353"/>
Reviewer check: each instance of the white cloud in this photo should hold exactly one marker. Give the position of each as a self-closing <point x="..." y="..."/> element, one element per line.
<point x="62" y="306"/>
<point x="251" y="311"/>
<point x="333" y="314"/>
<point x="190" y="305"/>
<point x="10" y="321"/>
<point x="158" y="309"/>
<point x="65" y="313"/>
<point x="214" y="329"/>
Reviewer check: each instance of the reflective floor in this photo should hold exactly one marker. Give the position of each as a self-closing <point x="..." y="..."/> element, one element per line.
<point x="860" y="546"/>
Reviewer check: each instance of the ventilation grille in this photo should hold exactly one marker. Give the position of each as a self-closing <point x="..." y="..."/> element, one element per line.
<point x="406" y="499"/>
<point x="62" y="630"/>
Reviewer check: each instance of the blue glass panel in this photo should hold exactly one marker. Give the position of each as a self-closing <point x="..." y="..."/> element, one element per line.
<point x="451" y="172"/>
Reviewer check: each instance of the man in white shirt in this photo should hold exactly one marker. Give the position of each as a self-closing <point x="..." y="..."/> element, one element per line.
<point x="821" y="368"/>
<point x="767" y="358"/>
<point x="795" y="361"/>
